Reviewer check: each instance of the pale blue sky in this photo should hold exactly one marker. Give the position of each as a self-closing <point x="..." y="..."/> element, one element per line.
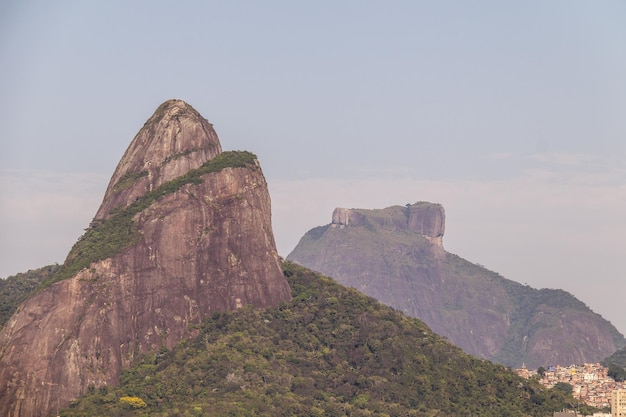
<point x="511" y="114"/>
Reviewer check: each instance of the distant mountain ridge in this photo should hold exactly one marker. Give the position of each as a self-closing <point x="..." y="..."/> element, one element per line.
<point x="184" y="230"/>
<point x="396" y="255"/>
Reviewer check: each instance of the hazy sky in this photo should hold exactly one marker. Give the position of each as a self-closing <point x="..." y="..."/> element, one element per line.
<point x="510" y="114"/>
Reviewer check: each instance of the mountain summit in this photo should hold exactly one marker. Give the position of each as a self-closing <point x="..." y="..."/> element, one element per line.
<point x="183" y="231"/>
<point x="173" y="141"/>
<point x="396" y="255"/>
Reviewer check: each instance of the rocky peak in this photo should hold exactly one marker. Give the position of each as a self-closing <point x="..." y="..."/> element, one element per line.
<point x="184" y="231"/>
<point x="426" y="219"/>
<point x="394" y="255"/>
<point x="174" y="140"/>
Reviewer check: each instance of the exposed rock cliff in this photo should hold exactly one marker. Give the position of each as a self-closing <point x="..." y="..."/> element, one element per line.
<point x="173" y="141"/>
<point x="183" y="231"/>
<point x="425" y="219"/>
<point x="396" y="255"/>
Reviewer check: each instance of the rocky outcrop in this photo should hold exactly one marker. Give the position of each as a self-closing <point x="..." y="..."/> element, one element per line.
<point x="396" y="256"/>
<point x="199" y="246"/>
<point x="173" y="141"/>
<point x="426" y="219"/>
<point x="345" y="217"/>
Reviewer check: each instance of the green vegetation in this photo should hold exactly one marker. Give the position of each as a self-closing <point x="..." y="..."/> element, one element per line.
<point x="331" y="351"/>
<point x="128" y="179"/>
<point x="617" y="372"/>
<point x="564" y="387"/>
<point x="524" y="319"/>
<point x="187" y="152"/>
<point x="109" y="237"/>
<point x="531" y="310"/>
<point x="617" y="365"/>
<point x="618" y="358"/>
<point x="16" y="288"/>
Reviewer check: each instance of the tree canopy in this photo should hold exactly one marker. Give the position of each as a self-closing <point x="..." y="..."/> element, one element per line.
<point x="331" y="351"/>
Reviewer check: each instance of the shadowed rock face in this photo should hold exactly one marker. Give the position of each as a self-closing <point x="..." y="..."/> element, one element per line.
<point x="208" y="246"/>
<point x="396" y="256"/>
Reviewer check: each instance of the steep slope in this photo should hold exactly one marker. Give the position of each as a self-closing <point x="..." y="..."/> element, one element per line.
<point x="396" y="255"/>
<point x="331" y="351"/>
<point x="175" y="140"/>
<point x="16" y="288"/>
<point x="183" y="231"/>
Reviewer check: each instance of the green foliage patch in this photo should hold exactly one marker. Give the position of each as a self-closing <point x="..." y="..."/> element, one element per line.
<point x="617" y="365"/>
<point x="109" y="237"/>
<point x="531" y="310"/>
<point x="525" y="323"/>
<point x="16" y="288"/>
<point x="617" y="373"/>
<point x="187" y="152"/>
<point x="128" y="179"/>
<point x="331" y="351"/>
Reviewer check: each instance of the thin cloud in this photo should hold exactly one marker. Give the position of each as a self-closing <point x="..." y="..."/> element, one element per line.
<point x="565" y="158"/>
<point x="577" y="168"/>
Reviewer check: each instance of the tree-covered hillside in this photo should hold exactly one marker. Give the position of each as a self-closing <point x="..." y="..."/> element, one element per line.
<point x="617" y="365"/>
<point x="331" y="351"/>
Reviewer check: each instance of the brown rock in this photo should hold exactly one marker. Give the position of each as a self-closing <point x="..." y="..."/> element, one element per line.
<point x="206" y="247"/>
<point x="173" y="141"/>
<point x="426" y="219"/>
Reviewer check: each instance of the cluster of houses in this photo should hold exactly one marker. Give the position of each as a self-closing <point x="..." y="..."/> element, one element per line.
<point x="590" y="382"/>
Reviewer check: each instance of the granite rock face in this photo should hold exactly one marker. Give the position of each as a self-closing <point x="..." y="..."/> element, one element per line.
<point x="205" y="247"/>
<point x="396" y="255"/>
<point x="173" y="141"/>
<point x="426" y="219"/>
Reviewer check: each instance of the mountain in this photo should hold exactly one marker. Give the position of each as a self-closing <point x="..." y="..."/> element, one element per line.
<point x="331" y="351"/>
<point x="183" y="232"/>
<point x="396" y="255"/>
<point x="16" y="288"/>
